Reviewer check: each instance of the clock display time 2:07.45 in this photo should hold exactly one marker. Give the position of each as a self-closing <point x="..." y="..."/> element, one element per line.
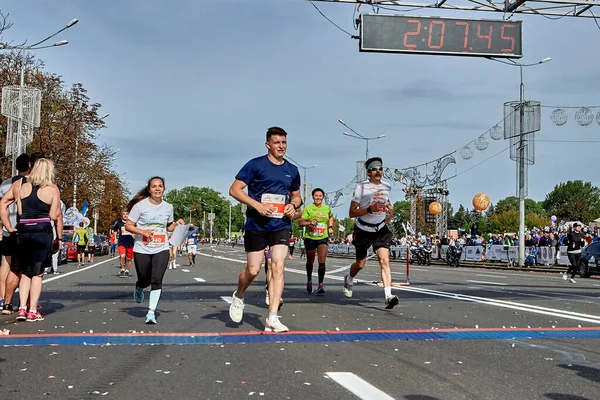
<point x="472" y="36"/>
<point x="434" y="35"/>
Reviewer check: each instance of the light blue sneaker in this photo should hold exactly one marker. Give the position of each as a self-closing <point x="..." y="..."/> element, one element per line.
<point x="138" y="295"/>
<point x="150" y="318"/>
<point x="1" y="302"/>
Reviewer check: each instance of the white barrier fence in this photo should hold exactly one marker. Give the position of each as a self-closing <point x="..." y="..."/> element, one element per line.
<point x="545" y="255"/>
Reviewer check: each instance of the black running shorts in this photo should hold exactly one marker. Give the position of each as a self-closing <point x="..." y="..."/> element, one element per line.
<point x="312" y="244"/>
<point x="9" y="245"/>
<point x="258" y="240"/>
<point x="362" y="240"/>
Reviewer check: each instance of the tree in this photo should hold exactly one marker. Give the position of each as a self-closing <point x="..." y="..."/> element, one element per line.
<point x="574" y="201"/>
<point x="460" y="219"/>
<point x="69" y="120"/>
<point x="195" y="204"/>
<point x="512" y="203"/>
<point x="401" y="215"/>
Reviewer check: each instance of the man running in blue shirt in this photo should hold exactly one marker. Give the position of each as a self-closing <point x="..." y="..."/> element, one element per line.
<point x="192" y="247"/>
<point x="273" y="198"/>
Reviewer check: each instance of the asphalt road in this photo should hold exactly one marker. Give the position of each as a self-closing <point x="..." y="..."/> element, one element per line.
<point x="456" y="334"/>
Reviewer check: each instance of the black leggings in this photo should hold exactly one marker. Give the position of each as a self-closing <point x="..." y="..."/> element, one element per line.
<point x="575" y="260"/>
<point x="150" y="269"/>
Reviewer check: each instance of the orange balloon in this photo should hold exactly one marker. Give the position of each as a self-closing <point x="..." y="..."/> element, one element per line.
<point x="481" y="201"/>
<point x="435" y="208"/>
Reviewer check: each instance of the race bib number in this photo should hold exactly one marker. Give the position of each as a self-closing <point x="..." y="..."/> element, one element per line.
<point x="124" y="231"/>
<point x="159" y="238"/>
<point x="190" y="241"/>
<point x="318" y="230"/>
<point x="274" y="200"/>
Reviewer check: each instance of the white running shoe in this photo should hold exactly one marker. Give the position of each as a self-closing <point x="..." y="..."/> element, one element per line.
<point x="236" y="309"/>
<point x="274" y="325"/>
<point x="266" y="296"/>
<point x="565" y="276"/>
<point x="572" y="280"/>
<point x="170" y="265"/>
<point x="347" y="290"/>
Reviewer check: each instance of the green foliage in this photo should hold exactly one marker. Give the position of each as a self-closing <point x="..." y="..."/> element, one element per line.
<point x="196" y="203"/>
<point x="574" y="200"/>
<point x="401" y="215"/>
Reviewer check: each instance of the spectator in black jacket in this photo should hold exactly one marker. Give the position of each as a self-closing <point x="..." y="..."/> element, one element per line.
<point x="575" y="241"/>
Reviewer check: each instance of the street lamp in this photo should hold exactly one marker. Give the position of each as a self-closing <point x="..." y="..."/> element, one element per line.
<point x="357" y="135"/>
<point x="521" y="170"/>
<point x="304" y="176"/>
<point x="35" y="46"/>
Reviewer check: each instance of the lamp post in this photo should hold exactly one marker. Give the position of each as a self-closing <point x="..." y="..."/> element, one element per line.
<point x="521" y="170"/>
<point x="304" y="175"/>
<point x="229" y="232"/>
<point x="24" y="49"/>
<point x="75" y="159"/>
<point x="357" y="135"/>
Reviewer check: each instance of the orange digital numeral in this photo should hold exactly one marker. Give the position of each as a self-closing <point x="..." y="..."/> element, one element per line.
<point x="462" y="23"/>
<point x="407" y="34"/>
<point x="488" y="36"/>
<point x="431" y="25"/>
<point x="511" y="38"/>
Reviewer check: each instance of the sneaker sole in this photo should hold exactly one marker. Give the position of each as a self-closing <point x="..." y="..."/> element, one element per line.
<point x="34" y="320"/>
<point x="269" y="329"/>
<point x="20" y="318"/>
<point x="348" y="295"/>
<point x="393" y="302"/>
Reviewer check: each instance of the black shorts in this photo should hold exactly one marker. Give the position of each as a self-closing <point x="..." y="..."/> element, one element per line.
<point x="258" y="240"/>
<point x="9" y="245"/>
<point x="91" y="249"/>
<point x="81" y="249"/>
<point x="34" y="246"/>
<point x="312" y="244"/>
<point x="362" y="240"/>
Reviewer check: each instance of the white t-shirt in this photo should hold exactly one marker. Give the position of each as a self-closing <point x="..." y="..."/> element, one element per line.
<point x="367" y="194"/>
<point x="155" y="217"/>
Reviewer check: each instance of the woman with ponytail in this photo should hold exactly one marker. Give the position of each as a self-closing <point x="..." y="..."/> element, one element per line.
<point x="150" y="219"/>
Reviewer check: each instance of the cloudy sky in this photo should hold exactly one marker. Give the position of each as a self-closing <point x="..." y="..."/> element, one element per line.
<point x="191" y="87"/>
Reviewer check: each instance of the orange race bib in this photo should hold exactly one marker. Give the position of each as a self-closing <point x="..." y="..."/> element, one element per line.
<point x="274" y="200"/>
<point x="159" y="238"/>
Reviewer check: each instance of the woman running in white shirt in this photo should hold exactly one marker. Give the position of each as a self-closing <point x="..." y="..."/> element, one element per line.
<point x="150" y="218"/>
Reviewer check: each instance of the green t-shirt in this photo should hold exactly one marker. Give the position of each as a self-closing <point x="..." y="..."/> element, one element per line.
<point x="322" y="215"/>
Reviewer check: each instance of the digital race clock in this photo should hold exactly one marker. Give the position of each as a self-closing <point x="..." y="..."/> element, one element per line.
<point x="446" y="36"/>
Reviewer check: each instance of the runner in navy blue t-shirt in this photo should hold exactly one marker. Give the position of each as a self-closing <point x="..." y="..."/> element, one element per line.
<point x="273" y="198"/>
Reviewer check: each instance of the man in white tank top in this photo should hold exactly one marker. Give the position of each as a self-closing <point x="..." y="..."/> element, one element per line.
<point x="372" y="209"/>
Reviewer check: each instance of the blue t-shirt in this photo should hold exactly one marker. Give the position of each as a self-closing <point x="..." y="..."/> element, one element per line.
<point x="268" y="182"/>
<point x="192" y="240"/>
<point x="125" y="238"/>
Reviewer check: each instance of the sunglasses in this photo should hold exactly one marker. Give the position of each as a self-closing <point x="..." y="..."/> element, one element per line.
<point x="375" y="169"/>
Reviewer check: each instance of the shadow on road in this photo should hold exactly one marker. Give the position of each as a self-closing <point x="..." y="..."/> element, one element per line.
<point x="589" y="373"/>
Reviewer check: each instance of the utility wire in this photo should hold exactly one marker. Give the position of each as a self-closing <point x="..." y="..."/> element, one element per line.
<point x="333" y="23"/>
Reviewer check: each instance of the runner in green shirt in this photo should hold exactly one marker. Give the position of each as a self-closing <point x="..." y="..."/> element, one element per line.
<point x="318" y="219"/>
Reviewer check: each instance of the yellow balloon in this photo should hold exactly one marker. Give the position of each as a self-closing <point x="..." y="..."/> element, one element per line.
<point x="435" y="208"/>
<point x="481" y="201"/>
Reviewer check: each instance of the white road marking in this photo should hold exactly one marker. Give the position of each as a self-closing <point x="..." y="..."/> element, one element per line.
<point x="76" y="271"/>
<point x="199" y="280"/>
<point x="458" y="296"/>
<point x="492" y="276"/>
<point x="344" y="268"/>
<point x="489" y="283"/>
<point x="228" y="299"/>
<point x="185" y="270"/>
<point x="358" y="386"/>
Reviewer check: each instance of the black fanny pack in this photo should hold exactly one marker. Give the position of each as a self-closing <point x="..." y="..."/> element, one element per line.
<point x="376" y="226"/>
